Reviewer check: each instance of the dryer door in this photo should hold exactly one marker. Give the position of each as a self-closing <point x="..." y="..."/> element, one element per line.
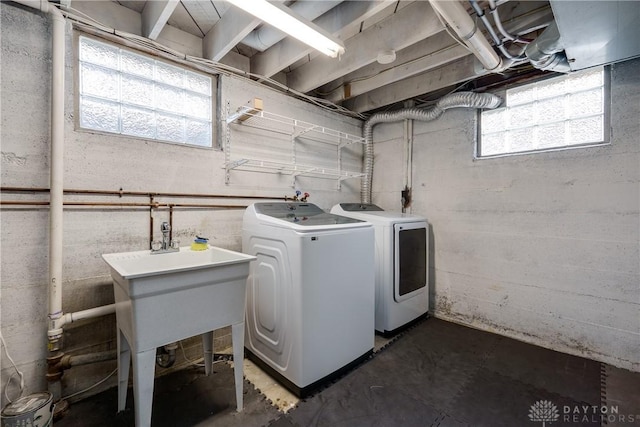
<point x="410" y="260"/>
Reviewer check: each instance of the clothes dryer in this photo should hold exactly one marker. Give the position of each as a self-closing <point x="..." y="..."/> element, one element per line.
<point x="310" y="293"/>
<point x="401" y="264"/>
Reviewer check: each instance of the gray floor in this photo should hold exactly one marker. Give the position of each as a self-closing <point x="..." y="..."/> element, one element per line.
<point x="435" y="374"/>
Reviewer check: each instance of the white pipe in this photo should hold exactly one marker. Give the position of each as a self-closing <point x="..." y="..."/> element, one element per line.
<point x="266" y="36"/>
<point x="56" y="167"/>
<point x="89" y="313"/>
<point x="56" y="186"/>
<point x="457" y="17"/>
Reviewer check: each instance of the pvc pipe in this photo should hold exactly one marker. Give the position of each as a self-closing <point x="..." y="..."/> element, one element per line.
<point x="56" y="173"/>
<point x="89" y="313"/>
<point x="266" y="36"/>
<point x="458" y="18"/>
<point x="56" y="177"/>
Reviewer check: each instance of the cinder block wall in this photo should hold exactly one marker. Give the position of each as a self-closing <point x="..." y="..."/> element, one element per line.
<point x="95" y="161"/>
<point x="540" y="247"/>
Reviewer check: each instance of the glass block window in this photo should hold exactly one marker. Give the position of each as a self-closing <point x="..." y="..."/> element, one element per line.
<point x="561" y="112"/>
<point x="131" y="94"/>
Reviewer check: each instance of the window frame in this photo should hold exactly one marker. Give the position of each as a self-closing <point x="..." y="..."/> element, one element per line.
<point x="606" y="117"/>
<point x="214" y="94"/>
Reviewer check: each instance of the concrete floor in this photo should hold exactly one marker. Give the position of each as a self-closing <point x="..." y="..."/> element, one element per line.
<point x="435" y="374"/>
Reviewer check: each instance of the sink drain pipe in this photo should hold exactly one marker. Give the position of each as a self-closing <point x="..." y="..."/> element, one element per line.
<point x="455" y="100"/>
<point x="56" y="175"/>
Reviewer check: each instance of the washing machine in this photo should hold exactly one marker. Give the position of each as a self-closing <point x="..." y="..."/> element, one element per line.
<point x="401" y="264"/>
<point x="310" y="293"/>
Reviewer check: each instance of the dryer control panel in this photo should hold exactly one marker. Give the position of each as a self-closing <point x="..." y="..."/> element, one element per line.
<point x="359" y="207"/>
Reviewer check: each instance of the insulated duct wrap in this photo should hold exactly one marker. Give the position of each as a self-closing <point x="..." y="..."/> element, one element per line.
<point x="455" y="100"/>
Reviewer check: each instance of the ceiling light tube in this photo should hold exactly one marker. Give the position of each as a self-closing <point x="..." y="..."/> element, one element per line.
<point x="295" y="25"/>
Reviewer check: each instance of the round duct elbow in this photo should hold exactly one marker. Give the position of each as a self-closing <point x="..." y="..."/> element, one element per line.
<point x="547" y="51"/>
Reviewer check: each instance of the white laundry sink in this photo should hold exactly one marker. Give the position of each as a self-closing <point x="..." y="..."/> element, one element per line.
<point x="138" y="264"/>
<point x="159" y="296"/>
<point x="163" y="298"/>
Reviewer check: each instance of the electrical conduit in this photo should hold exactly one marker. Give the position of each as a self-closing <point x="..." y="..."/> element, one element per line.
<point x="455" y="100"/>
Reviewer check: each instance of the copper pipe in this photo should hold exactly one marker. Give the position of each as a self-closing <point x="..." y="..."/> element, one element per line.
<point x="155" y="205"/>
<point x="133" y="193"/>
<point x="25" y="203"/>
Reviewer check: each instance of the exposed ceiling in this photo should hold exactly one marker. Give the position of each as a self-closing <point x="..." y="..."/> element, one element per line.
<point x="428" y="61"/>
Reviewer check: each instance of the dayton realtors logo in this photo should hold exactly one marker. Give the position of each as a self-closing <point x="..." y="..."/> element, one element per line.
<point x="546" y="412"/>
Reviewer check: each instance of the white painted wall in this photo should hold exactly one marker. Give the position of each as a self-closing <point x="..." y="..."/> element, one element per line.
<point x="541" y="247"/>
<point x="106" y="162"/>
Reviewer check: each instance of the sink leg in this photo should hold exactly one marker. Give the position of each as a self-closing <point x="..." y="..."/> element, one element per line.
<point x="124" y="361"/>
<point x="237" y="336"/>
<point x="207" y="346"/>
<point x="143" y="376"/>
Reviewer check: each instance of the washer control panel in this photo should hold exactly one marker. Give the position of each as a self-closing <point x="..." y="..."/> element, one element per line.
<point x="301" y="213"/>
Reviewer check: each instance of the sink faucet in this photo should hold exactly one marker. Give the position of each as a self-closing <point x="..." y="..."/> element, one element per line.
<point x="166" y="242"/>
<point x="167" y="245"/>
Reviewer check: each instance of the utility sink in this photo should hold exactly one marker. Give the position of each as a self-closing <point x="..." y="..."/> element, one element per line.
<point x="163" y="298"/>
<point x="131" y="265"/>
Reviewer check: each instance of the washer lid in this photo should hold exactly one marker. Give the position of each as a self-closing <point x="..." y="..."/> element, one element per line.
<point x="303" y="214"/>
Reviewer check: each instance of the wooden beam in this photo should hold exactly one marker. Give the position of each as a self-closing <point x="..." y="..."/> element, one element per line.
<point x="438" y="78"/>
<point x="155" y="16"/>
<point x="234" y="26"/>
<point x="404" y="28"/>
<point x="288" y="51"/>
<point x="416" y="59"/>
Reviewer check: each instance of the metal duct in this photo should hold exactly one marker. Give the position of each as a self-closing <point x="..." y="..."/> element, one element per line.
<point x="455" y="100"/>
<point x="547" y="51"/>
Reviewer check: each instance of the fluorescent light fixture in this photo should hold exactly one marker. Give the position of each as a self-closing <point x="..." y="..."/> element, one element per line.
<point x="289" y="22"/>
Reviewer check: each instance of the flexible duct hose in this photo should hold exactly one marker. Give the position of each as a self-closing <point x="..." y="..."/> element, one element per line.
<point x="455" y="100"/>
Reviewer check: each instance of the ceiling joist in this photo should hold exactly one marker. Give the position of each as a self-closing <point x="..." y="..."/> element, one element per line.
<point x="155" y="16"/>
<point x="402" y="29"/>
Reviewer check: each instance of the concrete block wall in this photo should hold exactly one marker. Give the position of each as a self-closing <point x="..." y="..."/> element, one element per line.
<point x="540" y="247"/>
<point x="95" y="161"/>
